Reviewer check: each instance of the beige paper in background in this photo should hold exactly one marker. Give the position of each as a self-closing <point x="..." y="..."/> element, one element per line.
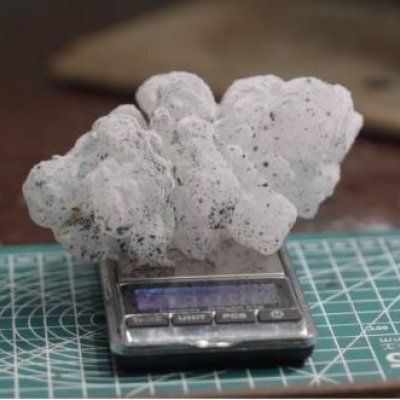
<point x="355" y="43"/>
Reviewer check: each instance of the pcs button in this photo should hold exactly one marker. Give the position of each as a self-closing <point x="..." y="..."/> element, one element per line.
<point x="231" y="317"/>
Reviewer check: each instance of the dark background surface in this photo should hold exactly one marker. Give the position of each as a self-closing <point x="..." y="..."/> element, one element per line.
<point x="39" y="118"/>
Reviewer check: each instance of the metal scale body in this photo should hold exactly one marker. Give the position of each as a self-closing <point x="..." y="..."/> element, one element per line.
<point x="238" y="308"/>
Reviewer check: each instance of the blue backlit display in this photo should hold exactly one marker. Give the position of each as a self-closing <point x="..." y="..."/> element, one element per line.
<point x="206" y="296"/>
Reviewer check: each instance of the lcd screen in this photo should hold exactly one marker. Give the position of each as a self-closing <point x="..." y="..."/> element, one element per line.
<point x="206" y="296"/>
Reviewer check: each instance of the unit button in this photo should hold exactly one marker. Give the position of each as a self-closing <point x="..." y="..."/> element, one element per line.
<point x="231" y="317"/>
<point x="277" y="315"/>
<point x="147" y="320"/>
<point x="197" y="318"/>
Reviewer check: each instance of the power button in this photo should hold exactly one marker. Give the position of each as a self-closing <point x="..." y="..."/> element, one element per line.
<point x="278" y="315"/>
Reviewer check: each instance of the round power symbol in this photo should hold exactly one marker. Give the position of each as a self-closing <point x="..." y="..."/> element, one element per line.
<point x="277" y="314"/>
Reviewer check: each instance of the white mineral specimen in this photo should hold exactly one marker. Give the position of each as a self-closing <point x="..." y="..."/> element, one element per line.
<point x="194" y="173"/>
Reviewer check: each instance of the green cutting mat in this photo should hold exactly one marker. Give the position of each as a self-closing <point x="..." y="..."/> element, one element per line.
<point x="53" y="339"/>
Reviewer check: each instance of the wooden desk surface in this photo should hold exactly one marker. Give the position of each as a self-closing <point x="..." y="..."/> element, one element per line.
<point x="39" y="118"/>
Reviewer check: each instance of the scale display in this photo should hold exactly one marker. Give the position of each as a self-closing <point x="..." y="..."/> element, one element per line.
<point x="206" y="296"/>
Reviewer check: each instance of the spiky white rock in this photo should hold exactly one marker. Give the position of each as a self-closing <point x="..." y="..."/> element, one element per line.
<point x="193" y="172"/>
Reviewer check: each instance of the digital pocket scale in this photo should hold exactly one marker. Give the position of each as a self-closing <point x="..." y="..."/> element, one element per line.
<point x="238" y="308"/>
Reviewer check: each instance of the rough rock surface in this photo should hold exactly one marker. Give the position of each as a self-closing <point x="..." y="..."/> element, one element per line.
<point x="194" y="172"/>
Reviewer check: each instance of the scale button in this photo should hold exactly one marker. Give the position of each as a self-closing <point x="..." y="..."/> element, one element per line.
<point x="231" y="317"/>
<point x="290" y="314"/>
<point x="197" y="318"/>
<point x="147" y="320"/>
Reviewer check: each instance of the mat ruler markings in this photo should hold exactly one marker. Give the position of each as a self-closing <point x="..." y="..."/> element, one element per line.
<point x="389" y="255"/>
<point x="317" y="295"/>
<point x="14" y="333"/>
<point x="184" y="384"/>
<point x="250" y="379"/>
<point x="74" y="307"/>
<point x="283" y="377"/>
<point x="339" y="275"/>
<point x="349" y="265"/>
<point x="392" y="348"/>
<point x="352" y="287"/>
<point x="368" y="274"/>
<point x="44" y="313"/>
<point x="150" y="384"/>
<point x="349" y="346"/>
<point x="313" y="369"/>
<point x="116" y="376"/>
<point x="217" y="381"/>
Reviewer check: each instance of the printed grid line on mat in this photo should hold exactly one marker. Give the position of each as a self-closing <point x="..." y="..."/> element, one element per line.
<point x="53" y="338"/>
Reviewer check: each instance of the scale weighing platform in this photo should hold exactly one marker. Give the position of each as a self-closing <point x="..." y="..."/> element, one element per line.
<point x="54" y="340"/>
